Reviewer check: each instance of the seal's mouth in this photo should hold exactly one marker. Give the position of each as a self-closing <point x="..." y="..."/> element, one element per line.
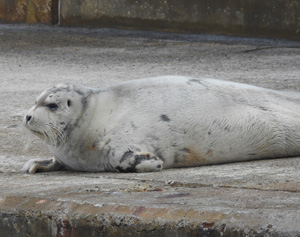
<point x="37" y="133"/>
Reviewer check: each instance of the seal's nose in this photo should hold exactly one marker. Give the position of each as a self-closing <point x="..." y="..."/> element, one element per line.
<point x="28" y="118"/>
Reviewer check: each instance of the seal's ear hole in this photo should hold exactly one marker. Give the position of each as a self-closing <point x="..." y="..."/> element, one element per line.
<point x="69" y="103"/>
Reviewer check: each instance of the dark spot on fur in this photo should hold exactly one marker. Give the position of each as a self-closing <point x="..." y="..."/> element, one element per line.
<point x="138" y="159"/>
<point x="126" y="155"/>
<point x="164" y="118"/>
<point x="69" y="103"/>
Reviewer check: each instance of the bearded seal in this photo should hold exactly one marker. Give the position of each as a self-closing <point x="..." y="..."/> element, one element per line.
<point x="147" y="124"/>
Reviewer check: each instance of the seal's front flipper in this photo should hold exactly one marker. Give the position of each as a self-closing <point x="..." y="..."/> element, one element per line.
<point x="139" y="162"/>
<point x="39" y="165"/>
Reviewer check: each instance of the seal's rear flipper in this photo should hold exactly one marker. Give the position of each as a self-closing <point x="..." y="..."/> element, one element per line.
<point x="40" y="165"/>
<point x="139" y="162"/>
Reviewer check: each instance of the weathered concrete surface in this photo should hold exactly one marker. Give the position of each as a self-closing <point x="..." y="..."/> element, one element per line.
<point x="256" y="18"/>
<point x="260" y="198"/>
<point x="29" y="11"/>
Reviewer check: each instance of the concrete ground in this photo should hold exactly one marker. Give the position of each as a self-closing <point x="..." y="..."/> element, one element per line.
<point x="260" y="198"/>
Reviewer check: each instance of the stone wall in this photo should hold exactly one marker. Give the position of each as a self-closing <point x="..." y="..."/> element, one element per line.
<point x="256" y="18"/>
<point x="29" y="11"/>
<point x="277" y="18"/>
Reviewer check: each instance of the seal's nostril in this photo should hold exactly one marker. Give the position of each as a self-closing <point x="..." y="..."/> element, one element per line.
<point x="28" y="118"/>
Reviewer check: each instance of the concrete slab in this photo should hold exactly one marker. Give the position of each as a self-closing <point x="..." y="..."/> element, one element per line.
<point x="259" y="198"/>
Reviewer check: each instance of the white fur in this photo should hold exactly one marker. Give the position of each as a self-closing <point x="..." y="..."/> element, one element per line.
<point x="184" y="121"/>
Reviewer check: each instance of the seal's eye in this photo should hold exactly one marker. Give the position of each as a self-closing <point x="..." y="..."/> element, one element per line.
<point x="69" y="103"/>
<point x="52" y="106"/>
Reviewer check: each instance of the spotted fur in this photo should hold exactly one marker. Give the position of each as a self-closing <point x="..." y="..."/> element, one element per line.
<point x="155" y="123"/>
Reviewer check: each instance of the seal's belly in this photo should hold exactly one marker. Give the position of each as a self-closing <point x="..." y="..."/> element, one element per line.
<point x="239" y="134"/>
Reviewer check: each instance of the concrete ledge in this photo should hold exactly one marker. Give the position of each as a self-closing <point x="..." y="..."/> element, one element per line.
<point x="107" y="220"/>
<point x="259" y="198"/>
<point x="242" y="199"/>
<point x="255" y="18"/>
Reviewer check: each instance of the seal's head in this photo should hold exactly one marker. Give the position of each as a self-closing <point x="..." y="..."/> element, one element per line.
<point x="56" y="112"/>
